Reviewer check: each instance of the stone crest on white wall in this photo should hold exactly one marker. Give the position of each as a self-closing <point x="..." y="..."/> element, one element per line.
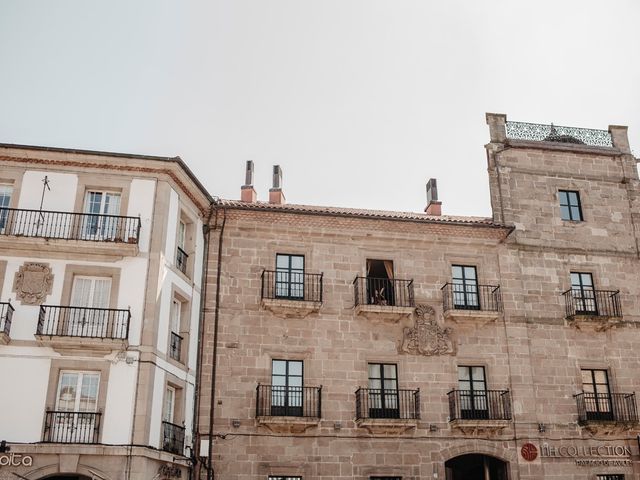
<point x="33" y="283"/>
<point x="426" y="337"/>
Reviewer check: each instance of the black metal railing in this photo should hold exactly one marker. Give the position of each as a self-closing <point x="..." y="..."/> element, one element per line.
<point x="556" y="133"/>
<point x="71" y="427"/>
<point x="607" y="407"/>
<point x="61" y="321"/>
<point x="69" y="225"/>
<point x="276" y="400"/>
<point x="172" y="438"/>
<point x="288" y="285"/>
<point x="181" y="260"/>
<point x="458" y="296"/>
<point x="599" y="303"/>
<point x="390" y="292"/>
<point x="175" y="346"/>
<point x="6" y="314"/>
<point x="479" y="405"/>
<point x="379" y="403"/>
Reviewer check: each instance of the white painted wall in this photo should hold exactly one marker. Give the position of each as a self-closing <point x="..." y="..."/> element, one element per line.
<point x="155" y="433"/>
<point x="61" y="197"/>
<point x="118" y="414"/>
<point x="141" y="202"/>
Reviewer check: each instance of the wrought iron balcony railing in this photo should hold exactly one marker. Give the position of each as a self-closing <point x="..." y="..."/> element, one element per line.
<point x="597" y="303"/>
<point x="389" y="292"/>
<point x="283" y="401"/>
<point x="71" y="427"/>
<point x="172" y="438"/>
<point x="457" y="296"/>
<point x="175" y="346"/>
<point x="89" y="322"/>
<point x="607" y="407"/>
<point x="69" y="225"/>
<point x="381" y="403"/>
<point x="181" y="260"/>
<point x="288" y="285"/>
<point x="479" y="405"/>
<point x="6" y="314"/>
<point x="555" y="133"/>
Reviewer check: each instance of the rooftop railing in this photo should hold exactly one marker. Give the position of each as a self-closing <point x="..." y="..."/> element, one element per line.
<point x="6" y="314"/>
<point x="387" y="403"/>
<point x="607" y="407"/>
<point x="287" y="285"/>
<point x="596" y="303"/>
<point x="479" y="405"/>
<point x="386" y="292"/>
<point x="88" y="322"/>
<point x="554" y="133"/>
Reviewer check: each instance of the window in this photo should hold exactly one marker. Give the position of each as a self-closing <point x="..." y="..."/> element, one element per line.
<point x="383" y="391"/>
<point x="103" y="223"/>
<point x="385" y="478"/>
<point x="5" y="201"/>
<point x="89" y="316"/>
<point x="597" y="395"/>
<point x="286" y="388"/>
<point x="168" y="409"/>
<point x="271" y="477"/>
<point x="615" y="476"/>
<point x="473" y="392"/>
<point x="74" y="419"/>
<point x="465" y="287"/>
<point x="289" y="276"/>
<point x="175" y="340"/>
<point x="380" y="285"/>
<point x="181" y="255"/>
<point x="583" y="293"/>
<point x="570" y="208"/>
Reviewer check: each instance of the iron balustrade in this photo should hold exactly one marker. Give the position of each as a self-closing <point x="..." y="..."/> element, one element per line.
<point x="287" y="401"/>
<point x="6" y="314"/>
<point x="555" y="133"/>
<point x="175" y="346"/>
<point x="607" y="407"/>
<point x="89" y="322"/>
<point x="181" y="260"/>
<point x="288" y="285"/>
<point x="71" y="427"/>
<point x="172" y="438"/>
<point x="390" y="292"/>
<point x="458" y="296"/>
<point x="479" y="405"/>
<point x="598" y="303"/>
<point x="69" y="225"/>
<point x="387" y="403"/>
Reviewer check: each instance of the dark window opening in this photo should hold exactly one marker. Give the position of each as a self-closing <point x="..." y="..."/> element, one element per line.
<point x="570" y="208"/>
<point x="380" y="288"/>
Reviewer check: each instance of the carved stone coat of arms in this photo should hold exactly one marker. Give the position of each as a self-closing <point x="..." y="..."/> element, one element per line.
<point x="33" y="283"/>
<point x="426" y="337"/>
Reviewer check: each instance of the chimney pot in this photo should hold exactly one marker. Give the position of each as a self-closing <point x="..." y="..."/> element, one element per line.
<point x="434" y="207"/>
<point x="276" y="195"/>
<point x="247" y="192"/>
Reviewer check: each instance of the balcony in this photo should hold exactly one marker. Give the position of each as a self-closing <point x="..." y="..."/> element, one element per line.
<point x="175" y="346"/>
<point x="90" y="233"/>
<point x="535" y="132"/>
<point x="288" y="409"/>
<point x="389" y="298"/>
<point x="72" y="427"/>
<point x="182" y="259"/>
<point x="68" y="328"/>
<point x="607" y="409"/>
<point x="6" y="314"/>
<point x="172" y="438"/>
<point x="479" y="410"/>
<point x="462" y="302"/>
<point x="387" y="411"/>
<point x="600" y="308"/>
<point x="291" y="294"/>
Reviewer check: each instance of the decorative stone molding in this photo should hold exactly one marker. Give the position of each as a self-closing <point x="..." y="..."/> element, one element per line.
<point x="32" y="283"/>
<point x="610" y="428"/>
<point x="388" y="313"/>
<point x="482" y="317"/>
<point x="278" y="424"/>
<point x="290" y="308"/>
<point x="480" y="427"/>
<point x="427" y="337"/>
<point x="594" y="322"/>
<point x="387" y="426"/>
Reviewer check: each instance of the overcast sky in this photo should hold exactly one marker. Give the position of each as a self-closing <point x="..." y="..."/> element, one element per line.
<point x="359" y="101"/>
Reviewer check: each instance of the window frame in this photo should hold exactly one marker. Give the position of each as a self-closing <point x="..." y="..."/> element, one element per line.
<point x="292" y="403"/>
<point x="386" y="402"/>
<point x="570" y="206"/>
<point x="470" y="291"/>
<point x="79" y="383"/>
<point x="602" y="401"/>
<point x="583" y="293"/>
<point x="476" y="399"/>
<point x="4" y="214"/>
<point x="290" y="273"/>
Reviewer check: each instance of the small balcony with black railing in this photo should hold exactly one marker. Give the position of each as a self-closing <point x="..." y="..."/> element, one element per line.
<point x="600" y="308"/>
<point x="88" y="328"/>
<point x="6" y="315"/>
<point x="479" y="409"/>
<point x="173" y="438"/>
<point x="387" y="410"/>
<point x="70" y="231"/>
<point x="471" y="302"/>
<point x="175" y="346"/>
<point x="182" y="260"/>
<point x="288" y="408"/>
<point x="391" y="298"/>
<point x="606" y="409"/>
<point x="289" y="293"/>
<point x="71" y="427"/>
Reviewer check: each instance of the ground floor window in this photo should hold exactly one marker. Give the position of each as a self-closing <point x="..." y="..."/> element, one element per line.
<point x="385" y="478"/>
<point x="271" y="477"/>
<point x="611" y="477"/>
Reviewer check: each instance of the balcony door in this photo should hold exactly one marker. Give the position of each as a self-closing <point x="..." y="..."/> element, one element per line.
<point x="91" y="297"/>
<point x="286" y="388"/>
<point x="5" y="201"/>
<point x="597" y="395"/>
<point x="465" y="287"/>
<point x="473" y="393"/>
<point x="97" y="226"/>
<point x="290" y="276"/>
<point x="583" y="294"/>
<point x="380" y="286"/>
<point x="383" y="391"/>
<point x="76" y="403"/>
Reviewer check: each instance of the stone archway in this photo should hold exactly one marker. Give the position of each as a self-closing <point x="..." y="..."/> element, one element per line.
<point x="63" y="476"/>
<point x="476" y="466"/>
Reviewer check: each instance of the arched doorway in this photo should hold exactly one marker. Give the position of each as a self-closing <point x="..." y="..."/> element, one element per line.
<point x="476" y="467"/>
<point x="63" y="476"/>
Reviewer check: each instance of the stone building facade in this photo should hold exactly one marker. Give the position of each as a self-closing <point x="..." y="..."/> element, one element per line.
<point x="365" y="344"/>
<point x="100" y="281"/>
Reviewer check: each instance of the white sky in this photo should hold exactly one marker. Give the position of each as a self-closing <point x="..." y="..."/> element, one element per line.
<point x="359" y="101"/>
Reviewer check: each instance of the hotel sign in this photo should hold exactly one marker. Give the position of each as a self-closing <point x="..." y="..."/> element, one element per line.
<point x="589" y="455"/>
<point x="16" y="460"/>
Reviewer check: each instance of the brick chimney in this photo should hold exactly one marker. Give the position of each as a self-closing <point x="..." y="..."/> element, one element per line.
<point x="247" y="192"/>
<point x="275" y="193"/>
<point x="434" y="207"/>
